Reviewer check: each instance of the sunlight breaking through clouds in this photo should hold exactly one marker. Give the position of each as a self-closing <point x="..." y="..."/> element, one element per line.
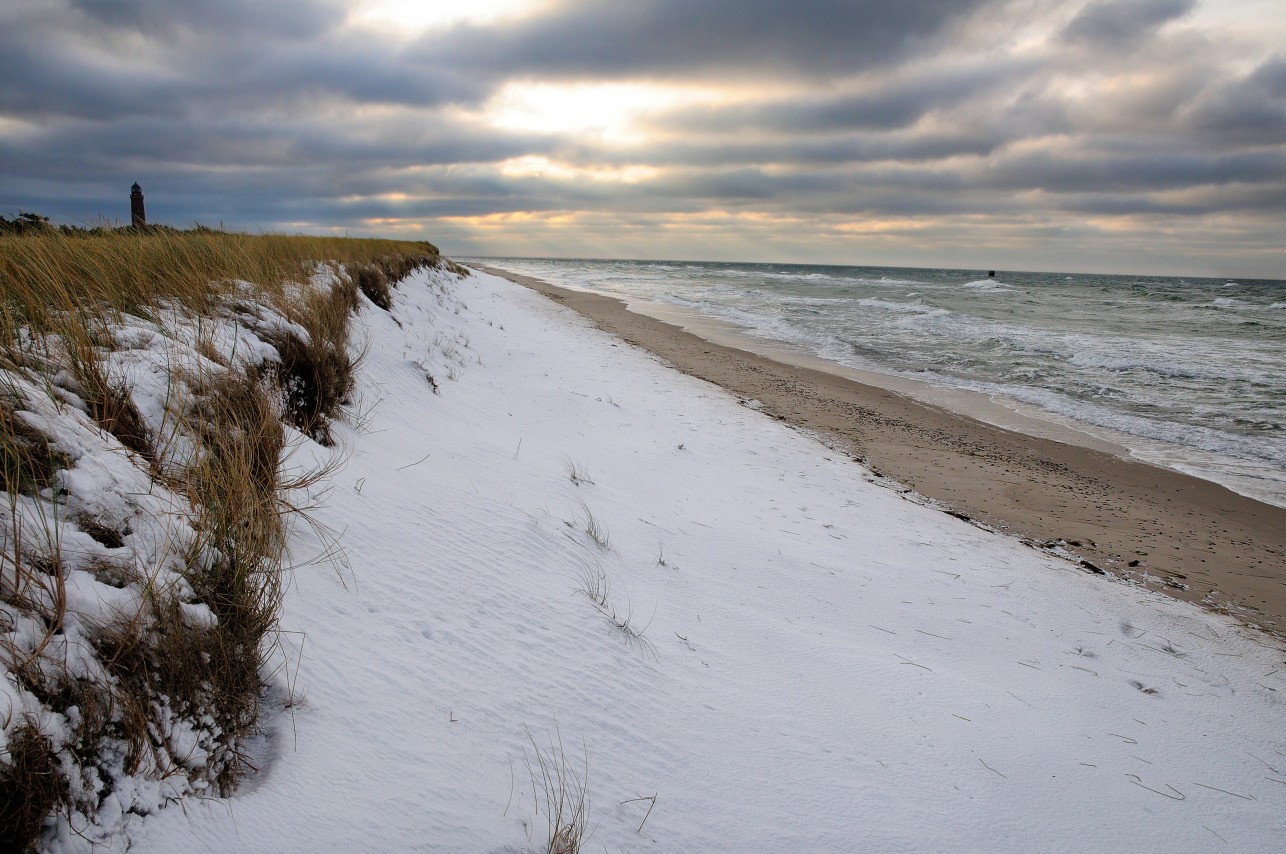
<point x="610" y="113"/>
<point x="411" y="18"/>
<point x="1161" y="116"/>
<point x="543" y="167"/>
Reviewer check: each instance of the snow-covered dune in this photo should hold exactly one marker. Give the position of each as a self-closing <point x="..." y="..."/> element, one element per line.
<point x="729" y="636"/>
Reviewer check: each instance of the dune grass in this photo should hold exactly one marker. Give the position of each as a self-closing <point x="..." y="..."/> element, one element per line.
<point x="65" y="296"/>
<point x="564" y="787"/>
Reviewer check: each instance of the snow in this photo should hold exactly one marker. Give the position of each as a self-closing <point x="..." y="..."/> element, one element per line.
<point x="116" y="537"/>
<point x="785" y="651"/>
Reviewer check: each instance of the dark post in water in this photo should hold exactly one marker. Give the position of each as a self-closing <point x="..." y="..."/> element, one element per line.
<point x="137" y="215"/>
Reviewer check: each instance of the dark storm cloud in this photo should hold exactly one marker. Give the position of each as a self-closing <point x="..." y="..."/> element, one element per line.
<point x="277" y="112"/>
<point x="285" y="19"/>
<point x="390" y="144"/>
<point x="1249" y="111"/>
<point x="1060" y="172"/>
<point x="1122" y="23"/>
<point x="806" y="149"/>
<point x="108" y="58"/>
<point x="667" y="38"/>
<point x="1253" y="200"/>
<point x="63" y="67"/>
<point x="884" y="103"/>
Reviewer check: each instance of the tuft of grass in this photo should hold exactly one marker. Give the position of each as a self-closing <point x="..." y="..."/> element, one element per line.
<point x="576" y="473"/>
<point x="459" y="269"/>
<point x="236" y="566"/>
<point x="374" y="283"/>
<point x="398" y="266"/>
<point x="30" y="458"/>
<point x="30" y="787"/>
<point x="633" y="632"/>
<point x="113" y="409"/>
<point x="595" y="529"/>
<point x="592" y="582"/>
<point x="317" y="373"/>
<point x="564" y="788"/>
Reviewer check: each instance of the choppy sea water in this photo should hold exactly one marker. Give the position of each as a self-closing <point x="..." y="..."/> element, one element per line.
<point x="1189" y="373"/>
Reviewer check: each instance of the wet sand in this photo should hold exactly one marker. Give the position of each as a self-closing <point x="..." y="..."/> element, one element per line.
<point x="1169" y="531"/>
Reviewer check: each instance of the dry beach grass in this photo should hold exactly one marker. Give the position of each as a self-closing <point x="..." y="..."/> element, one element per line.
<point x="204" y="594"/>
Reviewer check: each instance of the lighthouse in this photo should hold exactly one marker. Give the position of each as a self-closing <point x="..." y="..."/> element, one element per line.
<point x="137" y="216"/>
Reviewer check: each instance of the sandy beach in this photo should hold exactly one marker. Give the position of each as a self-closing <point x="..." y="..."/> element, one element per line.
<point x="1166" y="530"/>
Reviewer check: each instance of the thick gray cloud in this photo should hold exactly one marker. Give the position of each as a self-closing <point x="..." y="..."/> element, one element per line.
<point x="281" y="114"/>
<point x="112" y="60"/>
<point x="885" y="102"/>
<point x="667" y="38"/>
<point x="280" y="19"/>
<point x="674" y="37"/>
<point x="1248" y="111"/>
<point x="1121" y="23"/>
<point x="804" y="149"/>
<point x="1063" y="172"/>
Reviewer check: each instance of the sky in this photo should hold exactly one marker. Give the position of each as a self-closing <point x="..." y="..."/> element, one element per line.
<point x="1133" y="136"/>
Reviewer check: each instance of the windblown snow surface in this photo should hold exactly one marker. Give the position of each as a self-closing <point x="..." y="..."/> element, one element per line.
<point x="769" y="650"/>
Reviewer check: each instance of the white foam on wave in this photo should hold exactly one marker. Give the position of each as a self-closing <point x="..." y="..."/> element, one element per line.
<point x="886" y="280"/>
<point x="771" y="274"/>
<point x="1108" y="362"/>
<point x="1200" y="452"/>
<point x="988" y="286"/>
<point x="753" y="323"/>
<point x="796" y="300"/>
<point x="901" y="307"/>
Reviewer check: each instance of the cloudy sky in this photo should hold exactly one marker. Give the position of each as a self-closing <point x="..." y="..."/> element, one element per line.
<point x="1108" y="135"/>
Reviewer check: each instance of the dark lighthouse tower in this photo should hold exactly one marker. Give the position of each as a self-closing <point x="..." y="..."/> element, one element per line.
<point x="137" y="217"/>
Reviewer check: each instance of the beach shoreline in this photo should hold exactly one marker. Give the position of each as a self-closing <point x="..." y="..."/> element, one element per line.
<point x="1158" y="527"/>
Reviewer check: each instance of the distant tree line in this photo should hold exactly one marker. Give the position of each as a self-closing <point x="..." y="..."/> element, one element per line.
<point x="33" y="223"/>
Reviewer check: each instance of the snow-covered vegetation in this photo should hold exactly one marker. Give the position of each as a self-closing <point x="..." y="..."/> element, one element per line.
<point x="153" y="384"/>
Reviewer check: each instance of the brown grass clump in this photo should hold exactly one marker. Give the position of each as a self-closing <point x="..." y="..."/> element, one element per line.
<point x="377" y="279"/>
<point x="317" y="373"/>
<point x="238" y="571"/>
<point x="112" y="408"/>
<point x="398" y="267"/>
<point x="30" y="788"/>
<point x="374" y="283"/>
<point x="564" y="788"/>
<point x="29" y="461"/>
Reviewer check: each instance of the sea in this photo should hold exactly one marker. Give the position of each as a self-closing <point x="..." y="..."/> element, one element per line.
<point x="1188" y="373"/>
